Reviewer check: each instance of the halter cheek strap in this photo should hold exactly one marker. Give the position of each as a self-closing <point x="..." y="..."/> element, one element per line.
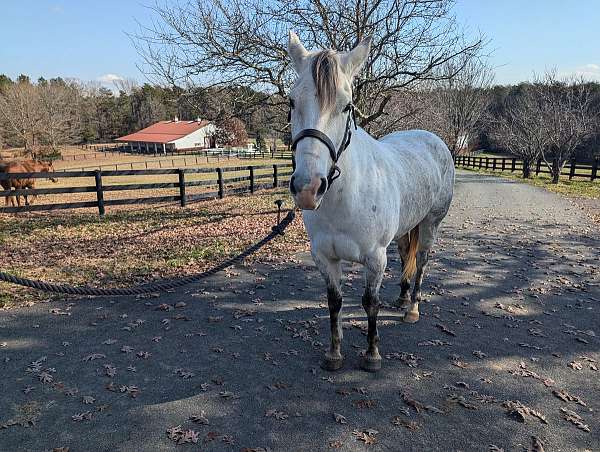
<point x="334" y="172"/>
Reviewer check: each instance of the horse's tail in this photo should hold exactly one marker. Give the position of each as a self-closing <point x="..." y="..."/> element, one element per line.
<point x="410" y="265"/>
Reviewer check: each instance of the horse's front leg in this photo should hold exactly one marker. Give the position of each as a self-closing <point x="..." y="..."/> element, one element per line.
<point x="332" y="272"/>
<point x="374" y="269"/>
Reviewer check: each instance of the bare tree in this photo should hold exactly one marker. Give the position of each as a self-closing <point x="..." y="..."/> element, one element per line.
<point x="565" y="108"/>
<point x="460" y="100"/>
<point x="243" y="43"/>
<point x="20" y="112"/>
<point x="58" y="109"/>
<point x="126" y="85"/>
<point x="519" y="128"/>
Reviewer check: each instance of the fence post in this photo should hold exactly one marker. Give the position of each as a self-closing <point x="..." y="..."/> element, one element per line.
<point x="514" y="165"/>
<point x="220" y="181"/>
<point x="275" y="177"/>
<point x="182" y="197"/>
<point x="503" y="163"/>
<point x="251" y="168"/>
<point x="494" y="164"/>
<point x="99" y="192"/>
<point x="572" y="171"/>
<point x="538" y="166"/>
<point x="594" y="169"/>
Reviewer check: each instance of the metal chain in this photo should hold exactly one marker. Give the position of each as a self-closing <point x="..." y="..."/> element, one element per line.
<point x="158" y="286"/>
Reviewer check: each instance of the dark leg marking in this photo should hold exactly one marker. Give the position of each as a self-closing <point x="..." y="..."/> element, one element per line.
<point x="404" y="298"/>
<point x="372" y="360"/>
<point x="333" y="359"/>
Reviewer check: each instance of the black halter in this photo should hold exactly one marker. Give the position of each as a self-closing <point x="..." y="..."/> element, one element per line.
<point x="334" y="172"/>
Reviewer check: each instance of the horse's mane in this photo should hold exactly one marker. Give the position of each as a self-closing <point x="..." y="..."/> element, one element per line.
<point x="325" y="75"/>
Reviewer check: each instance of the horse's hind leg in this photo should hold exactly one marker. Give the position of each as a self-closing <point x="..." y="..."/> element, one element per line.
<point x="404" y="299"/>
<point x="374" y="269"/>
<point x="332" y="272"/>
<point x="427" y="234"/>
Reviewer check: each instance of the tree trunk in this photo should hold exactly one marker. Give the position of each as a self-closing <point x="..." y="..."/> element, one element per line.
<point x="555" y="170"/>
<point x="526" y="169"/>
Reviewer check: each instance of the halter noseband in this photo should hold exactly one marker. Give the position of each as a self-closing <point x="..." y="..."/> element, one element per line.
<point x="334" y="172"/>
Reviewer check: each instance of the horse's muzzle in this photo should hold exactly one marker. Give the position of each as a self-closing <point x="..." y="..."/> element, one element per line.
<point x="308" y="194"/>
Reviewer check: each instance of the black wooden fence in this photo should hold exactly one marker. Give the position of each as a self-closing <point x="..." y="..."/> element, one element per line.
<point x="587" y="170"/>
<point x="218" y="186"/>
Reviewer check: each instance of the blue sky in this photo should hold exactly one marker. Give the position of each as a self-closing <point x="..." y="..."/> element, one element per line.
<point x="86" y="39"/>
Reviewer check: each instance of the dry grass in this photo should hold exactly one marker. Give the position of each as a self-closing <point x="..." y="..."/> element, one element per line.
<point x="130" y="246"/>
<point x="88" y="159"/>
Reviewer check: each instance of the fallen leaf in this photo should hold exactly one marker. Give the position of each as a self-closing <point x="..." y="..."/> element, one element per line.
<point x="199" y="418"/>
<point x="411" y="425"/>
<point x="575" y="419"/>
<point x="565" y="396"/>
<point x="367" y="436"/>
<point x="519" y="411"/>
<point x="339" y="418"/>
<point x="536" y="445"/>
<point x="445" y="329"/>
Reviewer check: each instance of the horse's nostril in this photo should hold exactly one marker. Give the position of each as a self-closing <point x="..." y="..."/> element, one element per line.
<point x="323" y="187"/>
<point x="292" y="186"/>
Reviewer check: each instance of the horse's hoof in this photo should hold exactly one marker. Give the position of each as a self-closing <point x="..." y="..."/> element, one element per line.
<point x="411" y="317"/>
<point x="370" y="364"/>
<point x="332" y="364"/>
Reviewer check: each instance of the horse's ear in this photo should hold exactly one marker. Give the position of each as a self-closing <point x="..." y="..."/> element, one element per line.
<point x="353" y="61"/>
<point x="297" y="52"/>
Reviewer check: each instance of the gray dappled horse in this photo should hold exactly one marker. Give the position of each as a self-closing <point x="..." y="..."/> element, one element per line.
<point x="358" y="193"/>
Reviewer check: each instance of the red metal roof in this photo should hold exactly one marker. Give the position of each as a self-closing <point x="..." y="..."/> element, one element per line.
<point x="164" y="131"/>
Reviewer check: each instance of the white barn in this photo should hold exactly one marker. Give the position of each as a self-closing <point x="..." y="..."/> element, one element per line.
<point x="172" y="136"/>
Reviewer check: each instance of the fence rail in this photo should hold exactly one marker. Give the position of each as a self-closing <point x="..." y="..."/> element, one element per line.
<point x="185" y="160"/>
<point x="109" y="150"/>
<point x="573" y="169"/>
<point x="254" y="180"/>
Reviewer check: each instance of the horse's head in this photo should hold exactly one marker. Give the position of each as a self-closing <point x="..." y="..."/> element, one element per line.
<point x="47" y="167"/>
<point x="321" y="114"/>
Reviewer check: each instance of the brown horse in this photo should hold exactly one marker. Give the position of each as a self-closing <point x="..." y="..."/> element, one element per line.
<point x="26" y="166"/>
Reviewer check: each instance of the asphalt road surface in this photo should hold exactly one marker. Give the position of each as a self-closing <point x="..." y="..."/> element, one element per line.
<point x="505" y="356"/>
